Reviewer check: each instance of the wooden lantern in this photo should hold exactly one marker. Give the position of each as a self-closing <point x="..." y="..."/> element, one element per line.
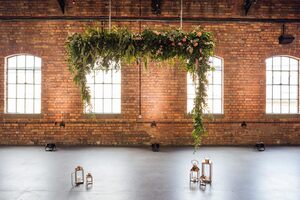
<point x="77" y="176"/>
<point x="194" y="173"/>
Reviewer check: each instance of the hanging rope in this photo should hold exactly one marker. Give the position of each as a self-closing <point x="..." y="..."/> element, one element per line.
<point x="109" y="17"/>
<point x="181" y="13"/>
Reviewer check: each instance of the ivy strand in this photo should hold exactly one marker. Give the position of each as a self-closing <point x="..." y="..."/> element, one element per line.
<point x="96" y="49"/>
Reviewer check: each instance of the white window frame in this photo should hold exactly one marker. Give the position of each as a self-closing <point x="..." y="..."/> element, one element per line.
<point x="222" y="89"/>
<point x="289" y="85"/>
<point x="101" y="98"/>
<point x="36" y="86"/>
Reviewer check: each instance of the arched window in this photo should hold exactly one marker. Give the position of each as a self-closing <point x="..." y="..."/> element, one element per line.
<point x="23" y="84"/>
<point x="214" y="90"/>
<point x="105" y="89"/>
<point x="282" y="85"/>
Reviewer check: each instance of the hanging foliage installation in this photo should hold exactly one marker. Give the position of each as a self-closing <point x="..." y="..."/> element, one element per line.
<point x="96" y="49"/>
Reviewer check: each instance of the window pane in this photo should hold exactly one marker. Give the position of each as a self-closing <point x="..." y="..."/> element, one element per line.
<point x="29" y="76"/>
<point x="99" y="77"/>
<point x="20" y="105"/>
<point x="20" y="91"/>
<point x="276" y="92"/>
<point x="217" y="106"/>
<point x="37" y="77"/>
<point x="90" y="78"/>
<point x="269" y="92"/>
<point x="98" y="105"/>
<point x="269" y="63"/>
<point x="116" y="91"/>
<point x="189" y="79"/>
<point x="116" y="105"/>
<point x="37" y="106"/>
<point x="276" y="77"/>
<point x="107" y="106"/>
<point x="293" y="106"/>
<point x="107" y="77"/>
<point x="269" y="106"/>
<point x="37" y="62"/>
<point x="217" y="93"/>
<point x="37" y="91"/>
<point x="285" y="92"/>
<point x="276" y="106"/>
<point x="29" y="62"/>
<point x="285" y="78"/>
<point x="294" y="64"/>
<point x="285" y="106"/>
<point x="117" y="77"/>
<point x="209" y="77"/>
<point x="190" y="105"/>
<point x="12" y="76"/>
<point x="217" y="63"/>
<point x="107" y="91"/>
<point x="29" y="91"/>
<point x="191" y="90"/>
<point x="11" y="105"/>
<point x="29" y="106"/>
<point x="293" y="92"/>
<point x="21" y="76"/>
<point x="98" y="90"/>
<point x="11" y="63"/>
<point x="12" y="91"/>
<point x="217" y="76"/>
<point x="293" y="78"/>
<point x="285" y="66"/>
<point x="21" y="62"/>
<point x="91" y="88"/>
<point x="276" y="63"/>
<point x="209" y="108"/>
<point x="269" y="77"/>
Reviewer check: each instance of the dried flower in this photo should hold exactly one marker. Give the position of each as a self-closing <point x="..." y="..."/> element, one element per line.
<point x="184" y="39"/>
<point x="173" y="43"/>
<point x="191" y="49"/>
<point x="179" y="44"/>
<point x="199" y="34"/>
<point x="195" y="44"/>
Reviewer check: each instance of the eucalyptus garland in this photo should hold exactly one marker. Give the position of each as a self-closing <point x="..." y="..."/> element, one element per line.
<point x="96" y="49"/>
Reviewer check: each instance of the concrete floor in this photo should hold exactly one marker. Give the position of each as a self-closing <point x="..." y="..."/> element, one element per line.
<point x="240" y="173"/>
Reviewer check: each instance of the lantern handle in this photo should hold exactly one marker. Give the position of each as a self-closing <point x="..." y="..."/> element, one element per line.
<point x="195" y="162"/>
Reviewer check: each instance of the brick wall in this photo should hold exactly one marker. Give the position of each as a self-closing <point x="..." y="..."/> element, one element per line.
<point x="243" y="45"/>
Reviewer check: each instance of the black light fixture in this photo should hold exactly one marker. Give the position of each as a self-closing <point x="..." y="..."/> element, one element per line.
<point x="156" y="6"/>
<point x="62" y="5"/>
<point x="243" y="124"/>
<point x="50" y="147"/>
<point x="247" y="5"/>
<point x="260" y="146"/>
<point x="285" y="38"/>
<point x="155" y="147"/>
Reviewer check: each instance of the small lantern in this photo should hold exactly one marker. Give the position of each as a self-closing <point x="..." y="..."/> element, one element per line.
<point x="194" y="173"/>
<point x="89" y="179"/>
<point x="206" y="172"/>
<point x="77" y="176"/>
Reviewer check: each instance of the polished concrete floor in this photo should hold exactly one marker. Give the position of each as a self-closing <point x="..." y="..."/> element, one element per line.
<point x="120" y="173"/>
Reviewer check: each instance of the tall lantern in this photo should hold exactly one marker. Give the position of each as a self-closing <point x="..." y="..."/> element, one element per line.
<point x="77" y="176"/>
<point x="194" y="173"/>
<point x="206" y="171"/>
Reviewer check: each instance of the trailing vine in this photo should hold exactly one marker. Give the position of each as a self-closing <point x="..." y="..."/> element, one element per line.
<point x="96" y="49"/>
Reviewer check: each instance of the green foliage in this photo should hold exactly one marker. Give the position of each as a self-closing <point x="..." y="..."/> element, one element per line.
<point x="97" y="49"/>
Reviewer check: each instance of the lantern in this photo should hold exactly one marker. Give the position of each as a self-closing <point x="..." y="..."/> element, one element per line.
<point x="89" y="179"/>
<point x="77" y="177"/>
<point x="194" y="173"/>
<point x="206" y="172"/>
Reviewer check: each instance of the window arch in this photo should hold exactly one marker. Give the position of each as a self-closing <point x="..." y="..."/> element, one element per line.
<point x="23" y="84"/>
<point x="214" y="89"/>
<point x="105" y="90"/>
<point x="282" y="85"/>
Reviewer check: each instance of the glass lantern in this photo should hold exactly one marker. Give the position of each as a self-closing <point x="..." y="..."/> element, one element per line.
<point x="194" y="173"/>
<point x="206" y="171"/>
<point x="77" y="176"/>
<point x="89" y="179"/>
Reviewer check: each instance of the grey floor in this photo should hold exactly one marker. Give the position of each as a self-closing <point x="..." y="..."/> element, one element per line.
<point x="239" y="173"/>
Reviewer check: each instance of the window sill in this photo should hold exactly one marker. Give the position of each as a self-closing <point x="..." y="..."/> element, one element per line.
<point x="278" y="116"/>
<point x="103" y="116"/>
<point x="21" y="116"/>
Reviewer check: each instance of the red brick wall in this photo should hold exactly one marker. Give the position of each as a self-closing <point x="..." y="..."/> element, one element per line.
<point x="244" y="46"/>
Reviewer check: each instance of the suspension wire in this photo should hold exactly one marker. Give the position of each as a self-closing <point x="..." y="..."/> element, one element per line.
<point x="181" y="13"/>
<point x="109" y="17"/>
